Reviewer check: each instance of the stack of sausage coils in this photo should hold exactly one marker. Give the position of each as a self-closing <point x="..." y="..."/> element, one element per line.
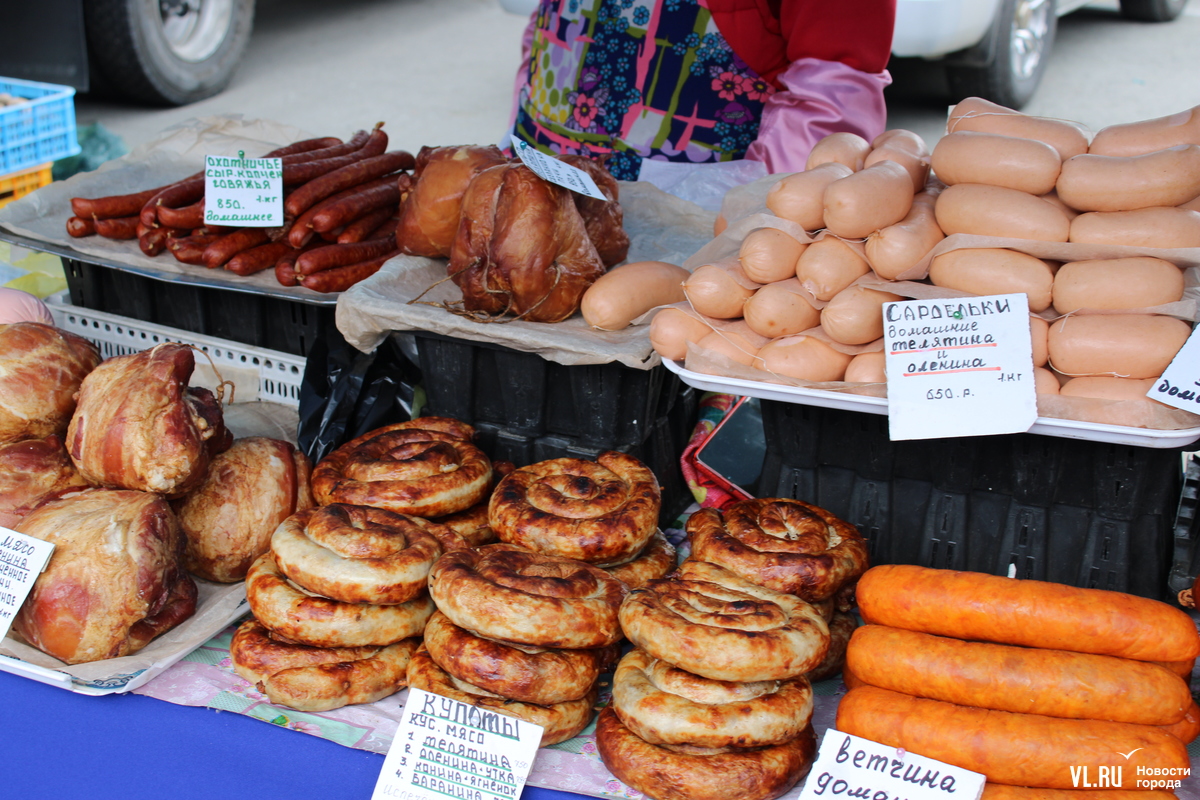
<point x="1023" y="681"/>
<point x="340" y="204"/>
<point x="715" y="701"/>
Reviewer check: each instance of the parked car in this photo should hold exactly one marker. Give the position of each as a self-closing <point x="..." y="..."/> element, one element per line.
<point x="161" y="52"/>
<point x="997" y="49"/>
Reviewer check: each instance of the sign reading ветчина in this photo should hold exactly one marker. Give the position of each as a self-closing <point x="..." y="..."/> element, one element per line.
<point x="549" y="168"/>
<point x="243" y="192"/>
<point x="959" y="367"/>
<point x="849" y="766"/>
<point x="22" y="560"/>
<point x="1179" y="385"/>
<point x="446" y="748"/>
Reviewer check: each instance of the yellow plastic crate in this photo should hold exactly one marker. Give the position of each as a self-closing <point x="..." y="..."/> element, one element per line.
<point x="19" y="184"/>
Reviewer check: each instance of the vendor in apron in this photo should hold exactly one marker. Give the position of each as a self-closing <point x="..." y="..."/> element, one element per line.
<point x="731" y="89"/>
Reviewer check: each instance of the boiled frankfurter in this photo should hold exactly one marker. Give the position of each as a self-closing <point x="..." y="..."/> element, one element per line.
<point x="1124" y="183"/>
<point x="872" y="198"/>
<point x="624" y="293"/>
<point x="1148" y="135"/>
<point x="1116" y="345"/>
<point x="994" y="270"/>
<point x="829" y="265"/>
<point x="1026" y="165"/>
<point x="897" y="248"/>
<point x="1167" y="227"/>
<point x="1138" y="282"/>
<point x="977" y="114"/>
<point x="982" y="210"/>
<point x="800" y="197"/>
<point x="769" y="254"/>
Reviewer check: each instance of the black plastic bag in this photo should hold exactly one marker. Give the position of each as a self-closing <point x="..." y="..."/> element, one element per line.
<point x="346" y="393"/>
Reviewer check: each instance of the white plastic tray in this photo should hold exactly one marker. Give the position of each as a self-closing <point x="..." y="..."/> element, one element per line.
<point x="1046" y="426"/>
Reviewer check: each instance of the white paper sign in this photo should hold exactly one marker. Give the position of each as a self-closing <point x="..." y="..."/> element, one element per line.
<point x="959" y="367"/>
<point x="1179" y="385"/>
<point x="245" y="192"/>
<point x="850" y="766"/>
<point x="549" y="168"/>
<point x="22" y="560"/>
<point x="445" y="748"/>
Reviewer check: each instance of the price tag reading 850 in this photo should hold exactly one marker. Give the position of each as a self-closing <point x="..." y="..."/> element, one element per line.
<point x="959" y="367"/>
<point x="243" y="192"/>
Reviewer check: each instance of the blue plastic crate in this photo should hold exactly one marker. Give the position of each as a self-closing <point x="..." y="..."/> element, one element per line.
<point x="37" y="132"/>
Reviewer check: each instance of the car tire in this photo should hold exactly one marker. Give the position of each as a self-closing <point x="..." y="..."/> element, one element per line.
<point x="1152" y="10"/>
<point x="1024" y="35"/>
<point x="167" y="52"/>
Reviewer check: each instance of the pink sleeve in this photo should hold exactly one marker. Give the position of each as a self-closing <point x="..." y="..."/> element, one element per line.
<point x="819" y="98"/>
<point x="522" y="79"/>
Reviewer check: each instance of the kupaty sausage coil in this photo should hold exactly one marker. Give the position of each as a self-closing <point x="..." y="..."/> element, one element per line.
<point x="300" y="616"/>
<point x="786" y="545"/>
<point x="425" y="467"/>
<point x="318" y="678"/>
<point x="653" y="562"/>
<point x="715" y="624"/>
<point x="505" y="592"/>
<point x="1025" y="612"/>
<point x="559" y="721"/>
<point x="528" y="674"/>
<point x="672" y="773"/>
<point x="359" y="554"/>
<point x="663" y="704"/>
<point x="1015" y="749"/>
<point x="1028" y="680"/>
<point x="602" y="512"/>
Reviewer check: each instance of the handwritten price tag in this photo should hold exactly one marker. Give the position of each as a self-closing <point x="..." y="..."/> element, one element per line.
<point x="959" y="367"/>
<point x="549" y="168"/>
<point x="243" y="192"/>
<point x="22" y="559"/>
<point x="850" y="766"/>
<point x="445" y="748"/>
<point x="1179" y="385"/>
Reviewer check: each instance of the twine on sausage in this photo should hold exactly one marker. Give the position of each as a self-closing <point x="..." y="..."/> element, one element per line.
<point x="973" y="114"/>
<point x="221" y="382"/>
<point x="1050" y="362"/>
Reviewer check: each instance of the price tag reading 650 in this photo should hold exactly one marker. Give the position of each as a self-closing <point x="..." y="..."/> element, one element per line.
<point x="959" y="367"/>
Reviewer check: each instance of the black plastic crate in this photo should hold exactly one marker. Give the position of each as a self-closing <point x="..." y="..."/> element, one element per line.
<point x="607" y="406"/>
<point x="1185" y="565"/>
<point x="1065" y="510"/>
<point x="289" y="326"/>
<point x="660" y="450"/>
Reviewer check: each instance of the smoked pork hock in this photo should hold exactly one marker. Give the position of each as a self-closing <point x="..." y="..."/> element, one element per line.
<point x="522" y="247"/>
<point x="248" y="491"/>
<point x="603" y="219"/>
<point x="30" y="471"/>
<point x="43" y="367"/>
<point x="138" y="425"/>
<point x="114" y="581"/>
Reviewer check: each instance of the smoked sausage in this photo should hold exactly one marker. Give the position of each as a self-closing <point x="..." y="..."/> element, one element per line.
<point x="1028" y="680"/>
<point x="1015" y="749"/>
<point x="972" y="605"/>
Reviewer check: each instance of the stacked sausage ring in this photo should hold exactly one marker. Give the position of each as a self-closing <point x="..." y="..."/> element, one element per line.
<point x="717" y="625"/>
<point x="603" y="512"/>
<point x="714" y="704"/>
<point x="524" y="633"/>
<point x="347" y="576"/>
<point x="426" y="467"/>
<point x="318" y="678"/>
<point x="506" y="592"/>
<point x="654" y="561"/>
<point x="786" y="545"/>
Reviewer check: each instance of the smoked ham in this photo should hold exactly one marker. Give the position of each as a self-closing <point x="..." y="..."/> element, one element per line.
<point x="603" y="219"/>
<point x="138" y="424"/>
<point x="249" y="490"/>
<point x="522" y="247"/>
<point x="429" y="212"/>
<point x="114" y="580"/>
<point x="30" y="471"/>
<point x="41" y="368"/>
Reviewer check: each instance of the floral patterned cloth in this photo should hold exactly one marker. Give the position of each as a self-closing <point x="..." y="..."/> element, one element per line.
<point x="589" y="60"/>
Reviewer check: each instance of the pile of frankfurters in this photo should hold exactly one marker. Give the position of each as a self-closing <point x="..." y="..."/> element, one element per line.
<point x="801" y="297"/>
<point x="340" y="204"/>
<point x="1024" y="681"/>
